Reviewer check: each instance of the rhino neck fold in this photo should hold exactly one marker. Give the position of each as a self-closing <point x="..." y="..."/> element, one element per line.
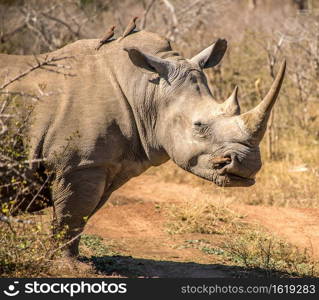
<point x="140" y="95"/>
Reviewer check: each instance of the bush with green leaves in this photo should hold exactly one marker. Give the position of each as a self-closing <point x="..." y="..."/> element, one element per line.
<point x="20" y="188"/>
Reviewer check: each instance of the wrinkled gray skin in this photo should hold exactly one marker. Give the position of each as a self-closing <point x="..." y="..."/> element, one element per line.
<point x="132" y="105"/>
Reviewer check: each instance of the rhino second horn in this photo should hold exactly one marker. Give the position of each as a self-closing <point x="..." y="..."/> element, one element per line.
<point x="231" y="105"/>
<point x="255" y="120"/>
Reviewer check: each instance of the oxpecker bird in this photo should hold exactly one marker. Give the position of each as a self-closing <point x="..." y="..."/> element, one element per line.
<point x="129" y="28"/>
<point x="107" y="36"/>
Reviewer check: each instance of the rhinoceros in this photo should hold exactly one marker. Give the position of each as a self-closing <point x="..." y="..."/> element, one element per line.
<point x="111" y="114"/>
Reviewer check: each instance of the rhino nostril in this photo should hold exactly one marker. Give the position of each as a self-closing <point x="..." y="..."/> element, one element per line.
<point x="221" y="162"/>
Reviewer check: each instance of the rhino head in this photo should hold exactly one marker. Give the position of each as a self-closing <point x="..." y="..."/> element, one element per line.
<point x="210" y="139"/>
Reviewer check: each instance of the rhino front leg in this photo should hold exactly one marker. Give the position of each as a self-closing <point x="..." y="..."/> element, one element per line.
<point x="75" y="197"/>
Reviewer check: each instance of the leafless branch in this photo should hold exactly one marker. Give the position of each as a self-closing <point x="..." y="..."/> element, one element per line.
<point x="3" y="106"/>
<point x="76" y="34"/>
<point x="174" y="24"/>
<point x="38" y="65"/>
<point x="181" y="12"/>
<point x="22" y="94"/>
<point x="78" y="24"/>
<point x="50" y="254"/>
<point x="40" y="34"/>
<point x="38" y="192"/>
<point x="4" y="128"/>
<point x="9" y="220"/>
<point x="5" y="36"/>
<point x="146" y="12"/>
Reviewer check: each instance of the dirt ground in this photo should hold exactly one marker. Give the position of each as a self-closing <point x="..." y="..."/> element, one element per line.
<point x="134" y="226"/>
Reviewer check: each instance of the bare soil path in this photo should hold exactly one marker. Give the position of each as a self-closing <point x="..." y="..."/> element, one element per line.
<point x="135" y="225"/>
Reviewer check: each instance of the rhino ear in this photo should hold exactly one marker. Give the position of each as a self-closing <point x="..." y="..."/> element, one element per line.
<point x="149" y="62"/>
<point x="212" y="55"/>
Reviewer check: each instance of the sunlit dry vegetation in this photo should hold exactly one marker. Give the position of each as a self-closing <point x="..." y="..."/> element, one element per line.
<point x="258" y="250"/>
<point x="202" y="216"/>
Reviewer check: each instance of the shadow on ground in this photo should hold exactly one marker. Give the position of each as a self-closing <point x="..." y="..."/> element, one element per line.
<point x="128" y="266"/>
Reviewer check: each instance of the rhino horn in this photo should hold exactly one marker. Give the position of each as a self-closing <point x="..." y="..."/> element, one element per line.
<point x="255" y="120"/>
<point x="231" y="106"/>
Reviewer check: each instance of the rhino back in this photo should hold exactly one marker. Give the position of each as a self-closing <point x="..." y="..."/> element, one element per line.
<point x="79" y="116"/>
<point x="83" y="116"/>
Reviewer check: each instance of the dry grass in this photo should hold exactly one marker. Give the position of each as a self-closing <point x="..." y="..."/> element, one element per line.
<point x="201" y="216"/>
<point x="31" y="250"/>
<point x="243" y="244"/>
<point x="257" y="249"/>
<point x="27" y="250"/>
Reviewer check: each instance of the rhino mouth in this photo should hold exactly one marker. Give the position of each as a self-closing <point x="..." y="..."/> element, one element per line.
<point x="223" y="178"/>
<point x="231" y="180"/>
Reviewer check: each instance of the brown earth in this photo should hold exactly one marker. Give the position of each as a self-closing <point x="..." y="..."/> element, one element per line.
<point x="134" y="225"/>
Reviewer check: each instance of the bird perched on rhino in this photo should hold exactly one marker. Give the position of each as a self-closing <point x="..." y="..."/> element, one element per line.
<point x="129" y="28"/>
<point x="106" y="38"/>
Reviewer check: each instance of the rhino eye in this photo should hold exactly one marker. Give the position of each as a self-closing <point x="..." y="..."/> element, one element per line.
<point x="194" y="79"/>
<point x="201" y="130"/>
